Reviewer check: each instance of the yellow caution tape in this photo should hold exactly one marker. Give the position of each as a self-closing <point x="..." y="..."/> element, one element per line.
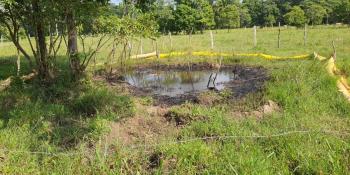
<point x="319" y="57"/>
<point x="330" y="65"/>
<point x="332" y="69"/>
<point x="343" y="89"/>
<point x="342" y="84"/>
<point x="207" y="53"/>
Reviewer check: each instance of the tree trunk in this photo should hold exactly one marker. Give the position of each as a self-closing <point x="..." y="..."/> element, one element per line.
<point x="73" y="44"/>
<point x="42" y="57"/>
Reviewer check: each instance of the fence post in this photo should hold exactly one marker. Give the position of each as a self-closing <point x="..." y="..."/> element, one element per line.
<point x="255" y="41"/>
<point x="212" y="39"/>
<point x="171" y="41"/>
<point x="190" y="40"/>
<point x="279" y="34"/>
<point x="305" y="34"/>
<point x="157" y="51"/>
<point x="2" y="38"/>
<point x="334" y="50"/>
<point x="141" y="47"/>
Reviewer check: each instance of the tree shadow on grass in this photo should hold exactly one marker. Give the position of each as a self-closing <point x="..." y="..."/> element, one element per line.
<point x="8" y="67"/>
<point x="63" y="114"/>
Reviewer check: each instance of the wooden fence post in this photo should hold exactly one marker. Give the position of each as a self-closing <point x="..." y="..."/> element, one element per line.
<point x="157" y="51"/>
<point x="279" y="34"/>
<point x="171" y="41"/>
<point x="334" y="50"/>
<point x="255" y="41"/>
<point x="305" y="34"/>
<point x="190" y="40"/>
<point x="141" y="46"/>
<point x="212" y="39"/>
<point x="153" y="45"/>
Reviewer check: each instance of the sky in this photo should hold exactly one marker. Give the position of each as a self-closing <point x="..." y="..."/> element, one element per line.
<point x="116" y="1"/>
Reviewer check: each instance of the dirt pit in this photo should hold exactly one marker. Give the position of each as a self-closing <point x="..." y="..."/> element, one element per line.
<point x="176" y="84"/>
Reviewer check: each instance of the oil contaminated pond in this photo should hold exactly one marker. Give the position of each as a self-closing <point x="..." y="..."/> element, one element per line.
<point x="173" y="82"/>
<point x="177" y="84"/>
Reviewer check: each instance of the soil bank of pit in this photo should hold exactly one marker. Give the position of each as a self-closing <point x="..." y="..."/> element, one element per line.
<point x="176" y="84"/>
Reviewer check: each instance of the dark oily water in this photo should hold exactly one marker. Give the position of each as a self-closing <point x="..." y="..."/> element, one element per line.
<point x="178" y="82"/>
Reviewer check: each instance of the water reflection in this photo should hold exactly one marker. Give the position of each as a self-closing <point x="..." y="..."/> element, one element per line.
<point x="173" y="83"/>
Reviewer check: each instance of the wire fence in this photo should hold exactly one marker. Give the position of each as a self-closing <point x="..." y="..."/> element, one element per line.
<point x="148" y="146"/>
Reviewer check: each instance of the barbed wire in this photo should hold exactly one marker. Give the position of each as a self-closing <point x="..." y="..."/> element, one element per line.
<point x="133" y="147"/>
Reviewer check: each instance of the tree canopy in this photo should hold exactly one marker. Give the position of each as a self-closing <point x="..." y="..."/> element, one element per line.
<point x="295" y="17"/>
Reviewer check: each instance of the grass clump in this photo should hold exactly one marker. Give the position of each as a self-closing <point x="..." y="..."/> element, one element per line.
<point x="103" y="102"/>
<point x="186" y="113"/>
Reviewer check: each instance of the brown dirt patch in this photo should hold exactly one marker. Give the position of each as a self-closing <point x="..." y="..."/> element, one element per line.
<point x="267" y="109"/>
<point x="147" y="127"/>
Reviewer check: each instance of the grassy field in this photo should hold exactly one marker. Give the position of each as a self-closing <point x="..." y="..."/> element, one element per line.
<point x="66" y="128"/>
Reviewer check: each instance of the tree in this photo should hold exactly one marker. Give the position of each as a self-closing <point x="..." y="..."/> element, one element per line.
<point x="191" y="16"/>
<point x="254" y="9"/>
<point x="165" y="17"/>
<point x="77" y="12"/>
<point x="205" y="15"/>
<point x="228" y="17"/>
<point x="295" y="17"/>
<point x="245" y="18"/>
<point x="342" y="11"/>
<point x="31" y="15"/>
<point x="262" y="12"/>
<point x="315" y="13"/>
<point x="185" y="18"/>
<point x="145" y="5"/>
<point x="269" y="12"/>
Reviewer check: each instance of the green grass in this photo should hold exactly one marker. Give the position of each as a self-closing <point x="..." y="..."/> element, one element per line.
<point x="71" y="119"/>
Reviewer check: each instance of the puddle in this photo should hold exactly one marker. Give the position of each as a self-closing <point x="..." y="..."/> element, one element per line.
<point x="173" y="83"/>
<point x="176" y="84"/>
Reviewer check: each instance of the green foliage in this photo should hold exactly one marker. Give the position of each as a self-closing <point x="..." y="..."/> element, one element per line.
<point x="295" y="17"/>
<point x="191" y="17"/>
<point x="245" y="17"/>
<point x="147" y="25"/>
<point x="315" y="13"/>
<point x="342" y="11"/>
<point x="185" y="18"/>
<point x="270" y="13"/>
<point x="228" y="16"/>
<point x="165" y="18"/>
<point x="262" y="12"/>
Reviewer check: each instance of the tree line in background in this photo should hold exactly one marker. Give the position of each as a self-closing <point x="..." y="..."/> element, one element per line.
<point x="48" y="25"/>
<point x="197" y="15"/>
